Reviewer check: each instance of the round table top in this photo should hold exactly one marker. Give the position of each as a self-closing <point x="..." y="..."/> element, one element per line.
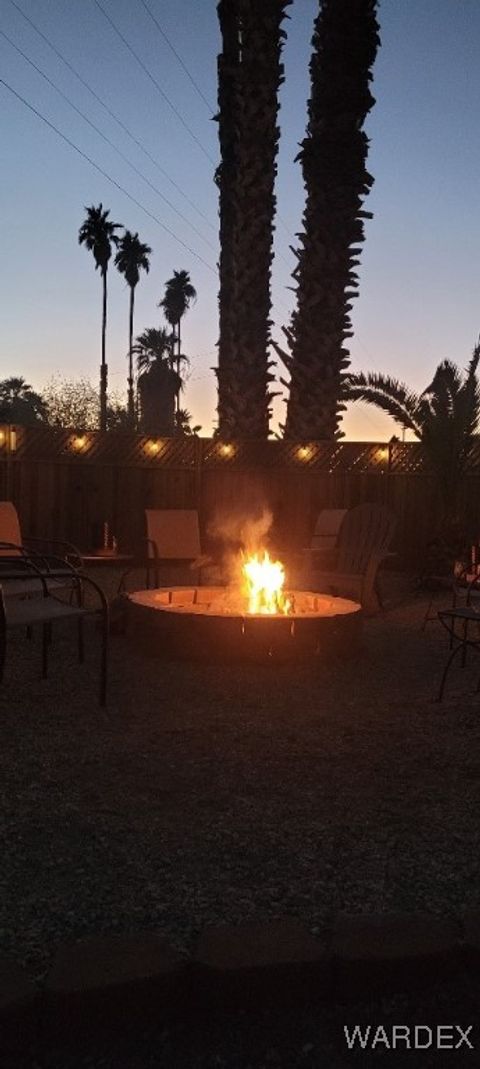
<point x="107" y="558"/>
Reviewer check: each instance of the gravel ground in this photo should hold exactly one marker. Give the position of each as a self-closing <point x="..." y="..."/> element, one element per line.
<point x="209" y="794"/>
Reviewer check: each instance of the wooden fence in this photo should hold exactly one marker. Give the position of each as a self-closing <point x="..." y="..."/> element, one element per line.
<point x="65" y="483"/>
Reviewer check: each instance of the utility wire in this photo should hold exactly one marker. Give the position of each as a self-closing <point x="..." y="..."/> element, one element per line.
<point x="179" y="58"/>
<point x="105" y="175"/>
<point x="279" y="217"/>
<point x="112" y="114"/>
<point x="154" y="80"/>
<point x="107" y="140"/>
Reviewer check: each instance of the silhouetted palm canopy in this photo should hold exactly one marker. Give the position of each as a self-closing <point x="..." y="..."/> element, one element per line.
<point x="19" y="403"/>
<point x="153" y="348"/>
<point x="183" y="424"/>
<point x="159" y="383"/>
<point x="179" y="293"/>
<point x="444" y="417"/>
<point x="97" y="233"/>
<point x="132" y="257"/>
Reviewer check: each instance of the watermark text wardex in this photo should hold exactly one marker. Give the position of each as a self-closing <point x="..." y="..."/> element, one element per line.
<point x="408" y="1037"/>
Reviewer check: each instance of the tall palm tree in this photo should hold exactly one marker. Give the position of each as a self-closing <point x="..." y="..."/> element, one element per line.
<point x="97" y="232"/>
<point x="179" y="293"/>
<point x="249" y="77"/>
<point x="19" y="403"/>
<point x="132" y="257"/>
<point x="333" y="159"/>
<point x="159" y="383"/>
<point x="444" y="418"/>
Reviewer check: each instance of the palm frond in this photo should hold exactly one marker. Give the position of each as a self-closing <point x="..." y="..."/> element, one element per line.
<point x="387" y="393"/>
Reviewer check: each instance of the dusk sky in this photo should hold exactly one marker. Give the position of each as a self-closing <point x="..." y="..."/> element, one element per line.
<point x="420" y="275"/>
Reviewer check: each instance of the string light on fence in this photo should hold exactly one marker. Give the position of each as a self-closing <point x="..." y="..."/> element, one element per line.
<point x="304" y="452"/>
<point x="226" y="449"/>
<point x="153" y="448"/>
<point x="79" y="443"/>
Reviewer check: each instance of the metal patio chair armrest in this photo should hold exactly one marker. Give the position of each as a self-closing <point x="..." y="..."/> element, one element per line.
<point x="19" y="549"/>
<point x="71" y="549"/>
<point x="21" y="552"/>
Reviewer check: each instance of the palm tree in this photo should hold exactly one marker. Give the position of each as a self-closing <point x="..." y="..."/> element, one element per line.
<point x="333" y="159"/>
<point x="183" y="424"/>
<point x="179" y="293"/>
<point x="159" y="383"/>
<point x="20" y="404"/>
<point x="249" y="77"/>
<point x="444" y="418"/>
<point x="98" y="234"/>
<point x="132" y="257"/>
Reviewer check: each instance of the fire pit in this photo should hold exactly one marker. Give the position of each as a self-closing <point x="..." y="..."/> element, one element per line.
<point x="211" y="623"/>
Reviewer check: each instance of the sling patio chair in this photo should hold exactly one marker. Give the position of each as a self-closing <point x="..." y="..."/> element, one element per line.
<point x="42" y="607"/>
<point x="172" y="538"/>
<point x="321" y="550"/>
<point x="363" y="543"/>
<point x="57" y="560"/>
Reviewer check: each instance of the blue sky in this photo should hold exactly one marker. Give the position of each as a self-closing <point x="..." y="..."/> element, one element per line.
<point x="419" y="278"/>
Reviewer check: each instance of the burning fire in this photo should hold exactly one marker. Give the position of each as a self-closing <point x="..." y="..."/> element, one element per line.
<point x="263" y="585"/>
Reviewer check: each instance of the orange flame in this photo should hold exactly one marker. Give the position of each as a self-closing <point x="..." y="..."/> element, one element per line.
<point x="263" y="585"/>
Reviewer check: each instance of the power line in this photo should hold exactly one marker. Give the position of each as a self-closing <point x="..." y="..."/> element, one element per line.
<point x="154" y="81"/>
<point x="179" y="58"/>
<point x="106" y="139"/>
<point x="279" y="217"/>
<point x="112" y="114"/>
<point x="105" y="175"/>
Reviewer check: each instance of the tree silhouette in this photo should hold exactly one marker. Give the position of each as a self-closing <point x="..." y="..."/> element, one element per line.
<point x="97" y="233"/>
<point x="179" y="293"/>
<point x="159" y="383"/>
<point x="19" y="403"/>
<point x="444" y="417"/>
<point x="131" y="258"/>
<point x="333" y="159"/>
<point x="250" y="74"/>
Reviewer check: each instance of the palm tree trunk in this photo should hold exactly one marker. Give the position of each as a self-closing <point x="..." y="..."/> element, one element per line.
<point x="250" y="75"/>
<point x="333" y="158"/>
<point x="179" y="353"/>
<point x="103" y="367"/>
<point x="131" y="397"/>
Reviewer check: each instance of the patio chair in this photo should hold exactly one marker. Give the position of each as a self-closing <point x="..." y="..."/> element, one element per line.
<point x="363" y="543"/>
<point x="56" y="560"/>
<point x="48" y="610"/>
<point x="324" y="539"/>
<point x="173" y="536"/>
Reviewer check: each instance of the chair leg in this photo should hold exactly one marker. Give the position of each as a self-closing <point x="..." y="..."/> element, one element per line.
<point x="81" y="641"/>
<point x="45" y="645"/>
<point x="453" y="654"/>
<point x="104" y="657"/>
<point x="3" y="635"/>
<point x="464" y="643"/>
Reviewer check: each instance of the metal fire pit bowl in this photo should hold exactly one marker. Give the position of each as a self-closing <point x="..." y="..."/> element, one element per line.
<point x="203" y="623"/>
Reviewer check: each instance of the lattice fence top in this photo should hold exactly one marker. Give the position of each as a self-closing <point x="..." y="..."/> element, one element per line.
<point x="122" y="448"/>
